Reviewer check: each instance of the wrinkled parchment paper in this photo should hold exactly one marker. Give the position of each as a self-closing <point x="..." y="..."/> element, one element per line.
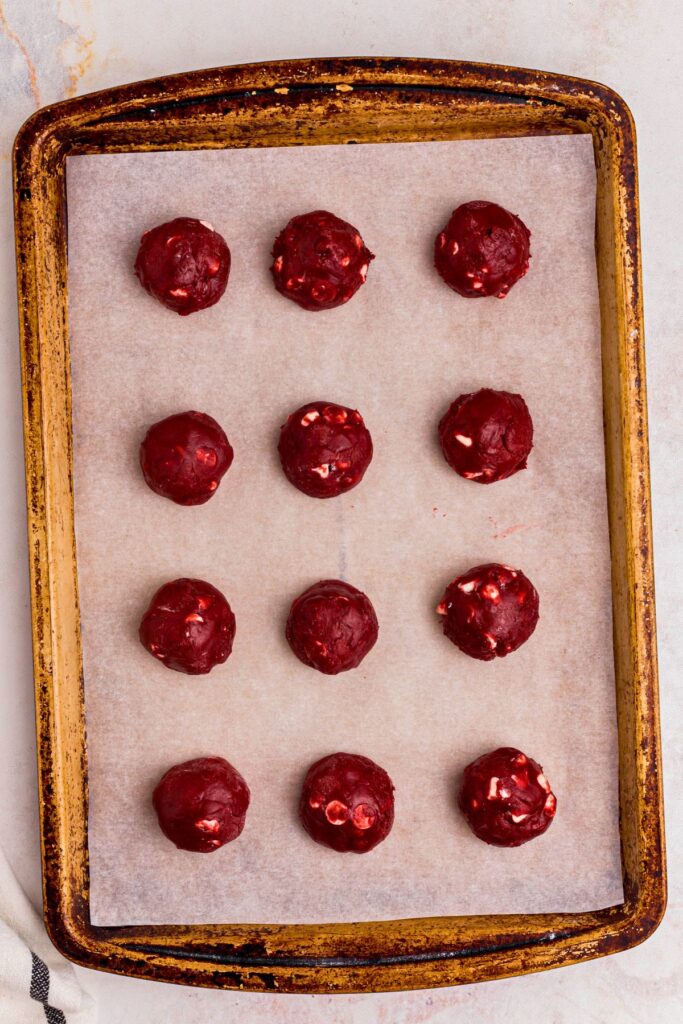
<point x="400" y="351"/>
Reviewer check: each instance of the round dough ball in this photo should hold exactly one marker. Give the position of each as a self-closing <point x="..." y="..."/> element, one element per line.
<point x="487" y="436"/>
<point x="332" y="626"/>
<point x="325" y="449"/>
<point x="482" y="250"/>
<point x="185" y="456"/>
<point x="184" y="264"/>
<point x="201" y="804"/>
<point x="319" y="261"/>
<point x="189" y="626"/>
<point x="506" y="798"/>
<point x="489" y="611"/>
<point x="347" y="803"/>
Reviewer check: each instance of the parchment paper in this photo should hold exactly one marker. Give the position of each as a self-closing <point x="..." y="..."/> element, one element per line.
<point x="400" y="351"/>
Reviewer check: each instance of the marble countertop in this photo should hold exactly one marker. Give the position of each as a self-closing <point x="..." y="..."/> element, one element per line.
<point x="50" y="49"/>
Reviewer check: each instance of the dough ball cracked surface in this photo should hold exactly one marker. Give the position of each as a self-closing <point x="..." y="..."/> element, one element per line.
<point x="506" y="798"/>
<point x="489" y="611"/>
<point x="347" y="803"/>
<point x="319" y="261"/>
<point x="325" y="449"/>
<point x="483" y="250"/>
<point x="184" y="264"/>
<point x="201" y="804"/>
<point x="189" y="626"/>
<point x="332" y="626"/>
<point x="184" y="457"/>
<point x="487" y="436"/>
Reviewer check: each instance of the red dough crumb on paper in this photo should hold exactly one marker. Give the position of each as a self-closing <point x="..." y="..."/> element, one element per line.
<point x="489" y="611"/>
<point x="184" y="264"/>
<point x="185" y="456"/>
<point x="319" y="261"/>
<point x="487" y="436"/>
<point x="483" y="250"/>
<point x="506" y="798"/>
<point x="332" y="626"/>
<point x="189" y="626"/>
<point x="201" y="804"/>
<point x="347" y="803"/>
<point x="325" y="449"/>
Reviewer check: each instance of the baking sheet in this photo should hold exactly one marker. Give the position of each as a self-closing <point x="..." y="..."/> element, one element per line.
<point x="400" y="351"/>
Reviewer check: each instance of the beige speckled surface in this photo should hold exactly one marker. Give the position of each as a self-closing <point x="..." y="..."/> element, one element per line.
<point x="52" y="48"/>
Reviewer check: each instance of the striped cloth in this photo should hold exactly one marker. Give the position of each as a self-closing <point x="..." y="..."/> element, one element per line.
<point x="37" y="986"/>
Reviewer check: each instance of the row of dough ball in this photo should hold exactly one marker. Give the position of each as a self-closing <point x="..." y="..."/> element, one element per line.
<point x="347" y="801"/>
<point x="320" y="261"/>
<point x="325" y="449"/>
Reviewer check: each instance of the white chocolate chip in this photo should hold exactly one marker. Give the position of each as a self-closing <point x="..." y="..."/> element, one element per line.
<point x="543" y="782"/>
<point x="468" y="587"/>
<point x="336" y="812"/>
<point x="322" y="471"/>
<point x="519" y="817"/>
<point x="463" y="439"/>
<point x="309" y="418"/>
<point x="493" y="788"/>
<point x="208" y="825"/>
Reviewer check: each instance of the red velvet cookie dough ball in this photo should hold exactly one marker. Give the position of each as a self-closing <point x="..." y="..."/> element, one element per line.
<point x="185" y="456"/>
<point x="332" y="626"/>
<point x="184" y="264"/>
<point x="506" y="798"/>
<point x="347" y="803"/>
<point x="489" y="611"/>
<point x="483" y="250"/>
<point x="319" y="261"/>
<point x="325" y="449"/>
<point x="201" y="804"/>
<point x="487" y="436"/>
<point x="189" y="626"/>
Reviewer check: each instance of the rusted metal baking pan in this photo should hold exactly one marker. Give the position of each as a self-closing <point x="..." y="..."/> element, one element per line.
<point x="311" y="102"/>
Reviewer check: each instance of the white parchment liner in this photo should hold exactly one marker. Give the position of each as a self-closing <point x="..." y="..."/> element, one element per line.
<point x="400" y="351"/>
